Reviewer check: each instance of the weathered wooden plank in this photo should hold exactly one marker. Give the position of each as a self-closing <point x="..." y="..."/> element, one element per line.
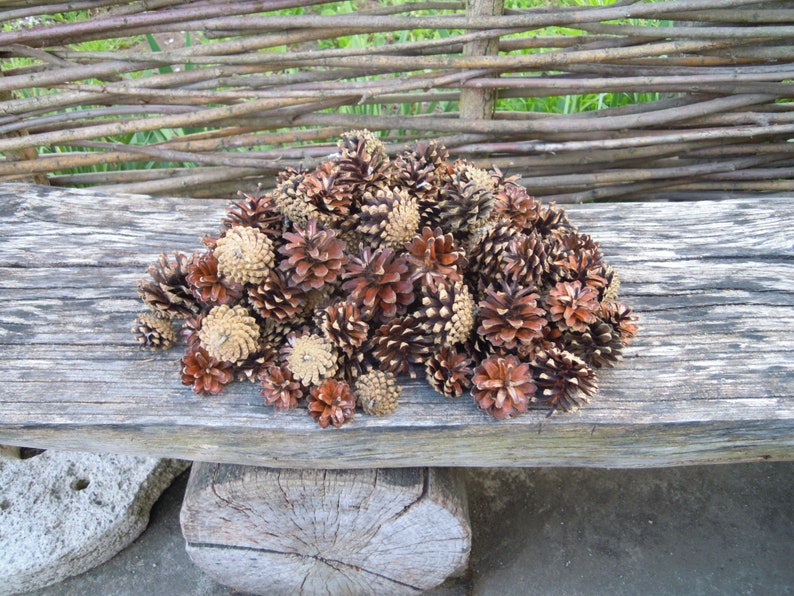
<point x="710" y="378"/>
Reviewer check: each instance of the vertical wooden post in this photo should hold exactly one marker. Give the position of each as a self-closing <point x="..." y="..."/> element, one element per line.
<point x="479" y="104"/>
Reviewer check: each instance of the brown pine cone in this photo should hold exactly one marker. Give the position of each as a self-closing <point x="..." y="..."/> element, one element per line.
<point x="244" y="255"/>
<point x="253" y="211"/>
<point x="274" y="298"/>
<point x="152" y="330"/>
<point x="379" y="282"/>
<point x="377" y="392"/>
<point x="399" y="344"/>
<point x="167" y="292"/>
<point x="503" y="387"/>
<point x="510" y="317"/>
<point x="229" y="334"/>
<point x="343" y="324"/>
<point x="525" y="261"/>
<point x="621" y="318"/>
<point x="332" y="402"/>
<point x="206" y="375"/>
<point x="449" y="372"/>
<point x="435" y="256"/>
<point x="418" y="177"/>
<point x="585" y="267"/>
<point x="389" y="218"/>
<point x="314" y="256"/>
<point x="486" y="249"/>
<point x="257" y="362"/>
<point x="573" y="305"/>
<point x="448" y="313"/>
<point x="280" y="389"/>
<point x="464" y="204"/>
<point x="323" y="189"/>
<point x="513" y="203"/>
<point x="290" y="199"/>
<point x="207" y="285"/>
<point x="364" y="164"/>
<point x="552" y="221"/>
<point x="565" y="381"/>
<point x="599" y="346"/>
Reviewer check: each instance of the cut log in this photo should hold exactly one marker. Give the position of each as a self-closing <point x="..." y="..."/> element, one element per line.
<point x="270" y="531"/>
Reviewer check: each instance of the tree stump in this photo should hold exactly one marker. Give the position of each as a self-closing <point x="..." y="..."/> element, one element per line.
<point x="376" y="531"/>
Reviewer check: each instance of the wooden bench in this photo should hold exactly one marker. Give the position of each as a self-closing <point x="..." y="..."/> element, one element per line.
<point x="375" y="507"/>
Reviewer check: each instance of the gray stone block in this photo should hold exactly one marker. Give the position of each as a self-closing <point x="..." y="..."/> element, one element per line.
<point x="63" y="513"/>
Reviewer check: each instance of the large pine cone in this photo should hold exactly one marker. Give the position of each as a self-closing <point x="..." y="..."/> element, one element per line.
<point x="511" y="317"/>
<point x="244" y="254"/>
<point x="513" y="203"/>
<point x="229" y="334"/>
<point x="379" y="282"/>
<point x="311" y="358"/>
<point x="463" y="204"/>
<point x="503" y="386"/>
<point x="323" y="189"/>
<point x="573" y="305"/>
<point x="399" y="344"/>
<point x="435" y="256"/>
<point x="168" y="292"/>
<point x="343" y="324"/>
<point x="314" y="256"/>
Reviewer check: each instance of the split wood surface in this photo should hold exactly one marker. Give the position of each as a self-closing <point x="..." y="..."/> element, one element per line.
<point x="242" y="104"/>
<point x="267" y="531"/>
<point x="710" y="377"/>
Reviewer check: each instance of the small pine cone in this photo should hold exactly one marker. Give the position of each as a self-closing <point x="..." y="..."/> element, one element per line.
<point x="468" y="172"/>
<point x="435" y="256"/>
<point x="599" y="346"/>
<point x="379" y="282"/>
<point x="364" y="163"/>
<point x="503" y="387"/>
<point x="573" y="305"/>
<point x="205" y="374"/>
<point x="511" y="317"/>
<point x="323" y="189"/>
<point x="229" y="334"/>
<point x="486" y="249"/>
<point x="190" y="330"/>
<point x="431" y="153"/>
<point x="343" y="324"/>
<point x="464" y="205"/>
<point x="253" y="211"/>
<point x="275" y="332"/>
<point x="448" y="313"/>
<point x="274" y="298"/>
<point x="331" y="402"/>
<point x="279" y="388"/>
<point x="611" y="291"/>
<point x="351" y="140"/>
<point x="583" y="266"/>
<point x="553" y="221"/>
<point x="418" y="177"/>
<point x="565" y="381"/>
<point x="621" y="319"/>
<point x="154" y="331"/>
<point x="389" y="218"/>
<point x="207" y="285"/>
<point x="245" y="255"/>
<point x="377" y="392"/>
<point x="314" y="256"/>
<point x="290" y="200"/>
<point x="449" y="372"/>
<point x="399" y="344"/>
<point x="311" y="358"/>
<point x="525" y="261"/>
<point x="168" y="291"/>
<point x="513" y="203"/>
<point x="252" y="367"/>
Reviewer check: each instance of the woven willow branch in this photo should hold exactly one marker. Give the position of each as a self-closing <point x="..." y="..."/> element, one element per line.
<point x="270" y="94"/>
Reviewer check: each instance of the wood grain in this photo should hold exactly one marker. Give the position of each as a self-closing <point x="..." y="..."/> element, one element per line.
<point x="710" y="378"/>
<point x="269" y="531"/>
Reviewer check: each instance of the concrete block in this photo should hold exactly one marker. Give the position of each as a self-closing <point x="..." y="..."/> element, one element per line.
<point x="63" y="513"/>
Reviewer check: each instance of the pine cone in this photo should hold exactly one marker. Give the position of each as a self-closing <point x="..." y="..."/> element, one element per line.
<point x="514" y="204"/>
<point x="205" y="374"/>
<point x="525" y="261"/>
<point x="364" y="164"/>
<point x="565" y="381"/>
<point x="511" y="316"/>
<point x="290" y="199"/>
<point x="276" y="299"/>
<point x="332" y="402"/>
<point x="599" y="346"/>
<point x="447" y="313"/>
<point x="463" y="204"/>
<point x="585" y="267"/>
<point x="280" y="389"/>
<point x="323" y="189"/>
<point x="311" y="358"/>
<point x="573" y="305"/>
<point x="343" y="324"/>
<point x="389" y="218"/>
<point x="377" y="392"/>
<point x="257" y="362"/>
<point x="207" y="285"/>
<point x="155" y="331"/>
<point x="399" y="344"/>
<point x="435" y="256"/>
<point x="503" y="387"/>
<point x="487" y="248"/>
<point x="449" y="372"/>
<point x="229" y="334"/>
<point x="417" y="176"/>
<point x="553" y="221"/>
<point x="621" y="319"/>
<point x="610" y="293"/>
<point x="253" y="211"/>
<point x="168" y="292"/>
<point x="379" y="282"/>
<point x="314" y="256"/>
<point x="245" y="255"/>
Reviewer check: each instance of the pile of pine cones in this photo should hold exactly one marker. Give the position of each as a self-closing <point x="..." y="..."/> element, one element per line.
<point x="367" y="267"/>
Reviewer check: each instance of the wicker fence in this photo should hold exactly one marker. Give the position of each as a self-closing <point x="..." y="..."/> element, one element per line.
<point x="265" y="90"/>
